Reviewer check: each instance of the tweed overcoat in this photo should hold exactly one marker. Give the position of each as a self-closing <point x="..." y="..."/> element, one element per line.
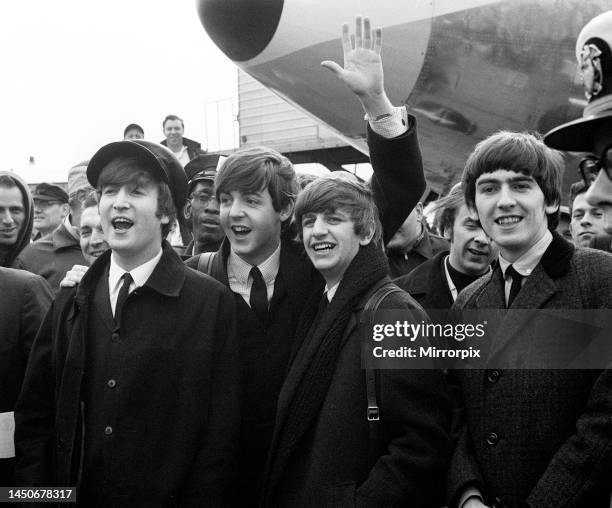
<point x="538" y="438"/>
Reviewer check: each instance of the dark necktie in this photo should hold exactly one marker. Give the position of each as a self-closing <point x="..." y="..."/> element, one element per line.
<point x="259" y="295"/>
<point x="123" y="294"/>
<point x="516" y="284"/>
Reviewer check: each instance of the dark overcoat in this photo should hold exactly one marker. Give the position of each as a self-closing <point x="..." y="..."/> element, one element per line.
<point x="333" y="464"/>
<point x="175" y="414"/>
<point x="24" y="301"/>
<point x="397" y="184"/>
<point x="427" y="283"/>
<point x="538" y="438"/>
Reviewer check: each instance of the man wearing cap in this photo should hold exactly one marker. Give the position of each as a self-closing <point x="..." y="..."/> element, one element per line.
<point x="202" y="208"/>
<point x="133" y="131"/>
<point x="593" y="132"/>
<point x="57" y="252"/>
<point x="50" y="208"/>
<point x="132" y="389"/>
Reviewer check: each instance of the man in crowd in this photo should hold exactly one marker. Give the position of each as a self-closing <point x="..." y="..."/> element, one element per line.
<point x="268" y="272"/>
<point x="50" y="208"/>
<point x="323" y="404"/>
<point x="53" y="255"/>
<point x="91" y="236"/>
<point x="132" y="388"/>
<point x="16" y="218"/>
<point x="531" y="437"/>
<point x="133" y="131"/>
<point x="412" y="244"/>
<point x="436" y="283"/>
<point x="202" y="208"/>
<point x="586" y="221"/>
<point x="23" y="305"/>
<point x="183" y="148"/>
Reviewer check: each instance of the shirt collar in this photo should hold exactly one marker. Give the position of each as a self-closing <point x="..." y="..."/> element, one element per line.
<point x="241" y="269"/>
<point x="140" y="274"/>
<point x="526" y="263"/>
<point x="331" y="291"/>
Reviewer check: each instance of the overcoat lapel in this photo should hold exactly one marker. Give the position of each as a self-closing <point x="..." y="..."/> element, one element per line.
<point x="538" y="289"/>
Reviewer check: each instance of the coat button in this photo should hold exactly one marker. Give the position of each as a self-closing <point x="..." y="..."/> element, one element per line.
<point x="493" y="375"/>
<point x="108" y="430"/>
<point x="111" y="383"/>
<point x="115" y="336"/>
<point x="492" y="438"/>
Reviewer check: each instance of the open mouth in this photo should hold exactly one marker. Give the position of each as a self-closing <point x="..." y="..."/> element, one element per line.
<point x="322" y="246"/>
<point x="96" y="253"/>
<point x="121" y="223"/>
<point x="240" y="231"/>
<point x="508" y="220"/>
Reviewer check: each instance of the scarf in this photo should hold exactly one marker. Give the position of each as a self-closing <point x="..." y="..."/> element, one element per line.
<point x="367" y="268"/>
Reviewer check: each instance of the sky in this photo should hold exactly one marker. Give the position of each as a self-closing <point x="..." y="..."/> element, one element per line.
<point x="75" y="73"/>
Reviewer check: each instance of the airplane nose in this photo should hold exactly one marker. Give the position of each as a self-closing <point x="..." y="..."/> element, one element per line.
<point x="241" y="28"/>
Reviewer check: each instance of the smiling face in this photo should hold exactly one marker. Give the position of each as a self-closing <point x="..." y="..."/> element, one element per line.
<point x="512" y="211"/>
<point x="251" y="224"/>
<point x="92" y="238"/>
<point x="587" y="221"/>
<point x="12" y="215"/>
<point x="331" y="242"/>
<point x="173" y="130"/>
<point x="471" y="251"/>
<point x="130" y="221"/>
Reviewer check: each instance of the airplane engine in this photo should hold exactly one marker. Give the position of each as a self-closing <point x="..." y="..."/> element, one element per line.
<point x="465" y="68"/>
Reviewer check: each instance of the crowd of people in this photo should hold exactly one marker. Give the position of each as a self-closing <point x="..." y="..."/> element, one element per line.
<point x="185" y="329"/>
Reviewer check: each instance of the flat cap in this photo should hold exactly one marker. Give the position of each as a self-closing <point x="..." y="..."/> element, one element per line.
<point x="49" y="192"/>
<point x="155" y="158"/>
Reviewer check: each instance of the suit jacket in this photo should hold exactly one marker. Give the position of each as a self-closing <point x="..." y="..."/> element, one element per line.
<point x="174" y="411"/>
<point x="538" y="438"/>
<point x="52" y="256"/>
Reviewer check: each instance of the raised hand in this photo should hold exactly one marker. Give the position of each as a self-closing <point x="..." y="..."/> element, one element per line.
<point x="362" y="71"/>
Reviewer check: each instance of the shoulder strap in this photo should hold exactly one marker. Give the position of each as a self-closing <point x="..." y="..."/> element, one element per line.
<point x="369" y="312"/>
<point x="205" y="262"/>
